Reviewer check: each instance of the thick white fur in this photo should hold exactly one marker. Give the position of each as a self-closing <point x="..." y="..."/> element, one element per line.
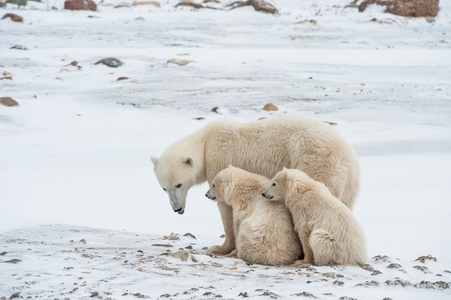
<point x="263" y="147"/>
<point x="263" y="229"/>
<point x="329" y="232"/>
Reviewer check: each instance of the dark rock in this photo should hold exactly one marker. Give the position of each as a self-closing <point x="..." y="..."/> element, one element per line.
<point x="14" y="17"/>
<point x="19" y="47"/>
<point x="8" y="101"/>
<point x="80" y="5"/>
<point x="406" y="8"/>
<point x="110" y="62"/>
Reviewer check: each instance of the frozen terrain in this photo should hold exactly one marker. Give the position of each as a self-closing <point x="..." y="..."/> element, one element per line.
<point x="81" y="212"/>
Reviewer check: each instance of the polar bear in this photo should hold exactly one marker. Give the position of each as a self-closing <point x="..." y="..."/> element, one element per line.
<point x="264" y="232"/>
<point x="263" y="147"/>
<point x="329" y="232"/>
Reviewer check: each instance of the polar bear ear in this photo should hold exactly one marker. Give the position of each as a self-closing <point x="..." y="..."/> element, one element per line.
<point x="188" y="160"/>
<point x="284" y="169"/>
<point x="154" y="160"/>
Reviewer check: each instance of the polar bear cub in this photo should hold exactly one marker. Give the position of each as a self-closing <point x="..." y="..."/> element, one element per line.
<point x="264" y="232"/>
<point x="329" y="232"/>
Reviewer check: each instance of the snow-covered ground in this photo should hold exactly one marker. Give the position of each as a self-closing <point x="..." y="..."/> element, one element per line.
<point x="81" y="212"/>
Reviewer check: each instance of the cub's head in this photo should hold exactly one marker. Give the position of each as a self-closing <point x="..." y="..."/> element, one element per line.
<point x="278" y="187"/>
<point x="222" y="186"/>
<point x="176" y="176"/>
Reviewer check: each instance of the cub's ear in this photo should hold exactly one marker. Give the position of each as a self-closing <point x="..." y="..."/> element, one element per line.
<point x="188" y="161"/>
<point x="154" y="160"/>
<point x="289" y="176"/>
<point x="284" y="169"/>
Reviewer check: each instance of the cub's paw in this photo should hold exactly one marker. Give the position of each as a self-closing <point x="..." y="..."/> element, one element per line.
<point x="218" y="250"/>
<point x="300" y="263"/>
<point x="232" y="254"/>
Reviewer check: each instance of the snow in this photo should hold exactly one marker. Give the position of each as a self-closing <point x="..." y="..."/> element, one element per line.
<point x="75" y="154"/>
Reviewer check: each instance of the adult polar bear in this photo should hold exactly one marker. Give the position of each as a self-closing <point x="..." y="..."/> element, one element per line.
<point x="263" y="147"/>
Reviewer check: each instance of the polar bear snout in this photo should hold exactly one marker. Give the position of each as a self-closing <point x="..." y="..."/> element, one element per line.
<point x="210" y="197"/>
<point x="267" y="196"/>
<point x="180" y="211"/>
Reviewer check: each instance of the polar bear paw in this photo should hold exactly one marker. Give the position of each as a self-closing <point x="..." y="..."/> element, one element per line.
<point x="221" y="250"/>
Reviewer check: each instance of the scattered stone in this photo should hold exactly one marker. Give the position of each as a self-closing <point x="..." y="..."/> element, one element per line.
<point x="423" y="269"/>
<point x="180" y="62"/>
<point x="3" y="253"/>
<point x="14" y="296"/>
<point x="215" y="109"/>
<point x="330" y="123"/>
<point x="140" y="296"/>
<point x="383" y="258"/>
<point x="162" y="245"/>
<point x="369" y="283"/>
<point x="13" y="261"/>
<point x="8" y="101"/>
<point x="398" y="282"/>
<point x="19" y="47"/>
<point x="394" y="266"/>
<point x="259" y="5"/>
<point x="154" y="3"/>
<point x="332" y="275"/>
<point x="165" y="296"/>
<point x="376" y="272"/>
<point x="304" y="294"/>
<point x="94" y="294"/>
<point x="216" y="265"/>
<point x="347" y="298"/>
<point x="270" y="107"/>
<point x="172" y="237"/>
<point x="432" y="285"/>
<point x="338" y="282"/>
<point x="199" y="118"/>
<point x="268" y="293"/>
<point x="243" y="294"/>
<point x="185" y="3"/>
<point x="7" y="76"/>
<point x="80" y="5"/>
<point x="367" y="267"/>
<point x="182" y="254"/>
<point x="190" y="235"/>
<point x="410" y="8"/>
<point x="312" y="21"/>
<point x="193" y="259"/>
<point x="13" y="17"/>
<point x="423" y="259"/>
<point x="82" y="241"/>
<point x="110" y="62"/>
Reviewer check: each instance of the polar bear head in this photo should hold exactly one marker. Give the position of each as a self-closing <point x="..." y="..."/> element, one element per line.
<point x="287" y="181"/>
<point x="176" y="176"/>
<point x="277" y="190"/>
<point x="235" y="186"/>
<point x="222" y="186"/>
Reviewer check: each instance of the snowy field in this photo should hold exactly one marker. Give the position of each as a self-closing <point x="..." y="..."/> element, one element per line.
<point x="81" y="213"/>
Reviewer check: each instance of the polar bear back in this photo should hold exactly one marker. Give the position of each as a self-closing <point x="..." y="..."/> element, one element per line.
<point x="266" y="146"/>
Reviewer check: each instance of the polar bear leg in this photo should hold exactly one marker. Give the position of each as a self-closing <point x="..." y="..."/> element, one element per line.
<point x="227" y="220"/>
<point x="324" y="247"/>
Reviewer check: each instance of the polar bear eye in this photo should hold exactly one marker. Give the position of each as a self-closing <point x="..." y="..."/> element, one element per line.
<point x="213" y="185"/>
<point x="178" y="185"/>
<point x="273" y="184"/>
<point x="164" y="189"/>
